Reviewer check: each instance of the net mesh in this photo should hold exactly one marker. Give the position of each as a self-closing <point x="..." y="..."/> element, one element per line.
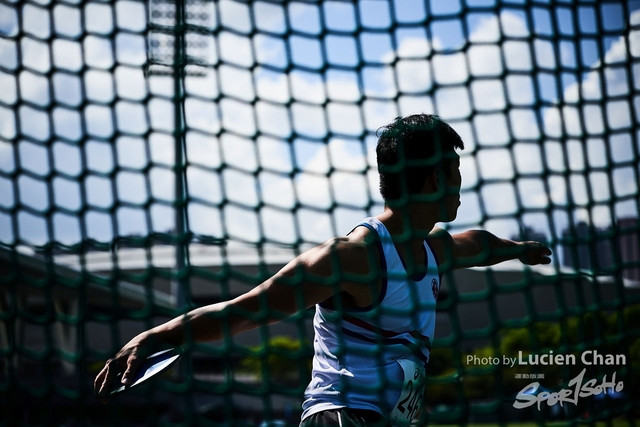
<point x="156" y="156"/>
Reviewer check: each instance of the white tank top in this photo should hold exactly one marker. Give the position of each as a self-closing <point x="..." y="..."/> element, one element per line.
<point x="361" y="354"/>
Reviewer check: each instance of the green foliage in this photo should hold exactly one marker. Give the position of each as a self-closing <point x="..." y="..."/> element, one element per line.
<point x="632" y="318"/>
<point x="592" y="330"/>
<point x="634" y="354"/>
<point x="514" y="340"/>
<point x="283" y="359"/>
<point x="440" y="361"/>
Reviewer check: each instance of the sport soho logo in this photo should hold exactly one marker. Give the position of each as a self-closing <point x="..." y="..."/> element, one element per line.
<point x="577" y="387"/>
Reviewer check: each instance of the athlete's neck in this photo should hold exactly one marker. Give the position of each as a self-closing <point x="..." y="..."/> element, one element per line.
<point x="409" y="222"/>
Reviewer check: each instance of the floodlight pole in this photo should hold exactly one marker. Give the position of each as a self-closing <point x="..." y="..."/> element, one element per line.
<point x="171" y="21"/>
<point x="179" y="283"/>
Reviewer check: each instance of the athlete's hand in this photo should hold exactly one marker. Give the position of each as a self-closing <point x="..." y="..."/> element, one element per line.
<point x="534" y="253"/>
<point x="128" y="359"/>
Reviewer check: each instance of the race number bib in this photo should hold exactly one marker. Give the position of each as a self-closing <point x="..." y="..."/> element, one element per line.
<point x="411" y="397"/>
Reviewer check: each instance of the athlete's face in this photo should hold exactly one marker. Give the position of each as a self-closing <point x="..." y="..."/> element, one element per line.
<point x="452" y="182"/>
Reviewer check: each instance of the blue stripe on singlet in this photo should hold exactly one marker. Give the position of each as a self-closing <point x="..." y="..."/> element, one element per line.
<point x="415" y="348"/>
<point x="383" y="276"/>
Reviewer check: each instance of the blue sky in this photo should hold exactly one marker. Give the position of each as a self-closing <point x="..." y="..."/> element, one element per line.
<point x="343" y="70"/>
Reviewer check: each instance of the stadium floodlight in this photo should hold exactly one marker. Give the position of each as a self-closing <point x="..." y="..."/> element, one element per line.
<point x="177" y="36"/>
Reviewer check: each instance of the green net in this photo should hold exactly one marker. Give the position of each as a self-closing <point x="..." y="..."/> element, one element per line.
<point x="157" y="156"/>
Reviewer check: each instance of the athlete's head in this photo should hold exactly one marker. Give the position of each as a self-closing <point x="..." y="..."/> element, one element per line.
<point x="414" y="149"/>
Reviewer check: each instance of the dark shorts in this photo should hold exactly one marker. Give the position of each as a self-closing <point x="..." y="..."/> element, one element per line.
<point x="345" y="417"/>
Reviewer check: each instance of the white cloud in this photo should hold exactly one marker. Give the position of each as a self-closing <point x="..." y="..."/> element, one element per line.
<point x="453" y="103"/>
<point x="235" y="49"/>
<point x="162" y="182"/>
<point x="99" y="86"/>
<point x="379" y="82"/>
<point x="7" y="130"/>
<point x="379" y="113"/>
<point x="544" y="54"/>
<point x="495" y="164"/>
<point x="35" y="21"/>
<point x="523" y="124"/>
<point x="307" y="87"/>
<point x="581" y="120"/>
<point x="449" y="69"/>
<point x="272" y="86"/>
<point x="34" y="123"/>
<point x="34" y="88"/>
<point x="235" y="15"/>
<point x="517" y="55"/>
<point x="98" y="52"/>
<point x="488" y="95"/>
<point x="130" y="15"/>
<point x="204" y="116"/>
<point x="344" y="119"/>
<point x="414" y="76"/>
<point x="277" y="190"/>
<point x="313" y="105"/>
<point x="131" y="187"/>
<point x="313" y="190"/>
<point x="309" y="120"/>
<point x="270" y="17"/>
<point x="499" y="199"/>
<point x="35" y="54"/>
<point x="130" y="83"/>
<point x="275" y="154"/>
<point x="270" y="51"/>
<point x="484" y="60"/>
<point x="8" y="20"/>
<point x="67" y="20"/>
<point x="412" y="47"/>
<point x="200" y="81"/>
<point x="204" y="185"/>
<point x="241" y="188"/>
<point x="273" y="119"/>
<point x="348" y="188"/>
<point x="8" y="54"/>
<point x="32" y="229"/>
<point x="67" y="123"/>
<point x="520" y="90"/>
<point x="130" y="49"/>
<point x="589" y="88"/>
<point x="512" y="25"/>
<point x="131" y="118"/>
<point x="236" y="82"/>
<point x="99" y="121"/>
<point x="98" y="18"/>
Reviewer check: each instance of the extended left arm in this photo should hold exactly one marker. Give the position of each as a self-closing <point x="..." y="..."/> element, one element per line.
<point x="477" y="248"/>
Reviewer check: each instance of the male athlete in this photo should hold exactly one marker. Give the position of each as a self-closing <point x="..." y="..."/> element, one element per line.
<point x="374" y="290"/>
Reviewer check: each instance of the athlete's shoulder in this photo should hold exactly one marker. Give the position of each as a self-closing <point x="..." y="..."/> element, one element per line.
<point x="354" y="253"/>
<point x="441" y="242"/>
<point x="357" y="243"/>
<point x="438" y="233"/>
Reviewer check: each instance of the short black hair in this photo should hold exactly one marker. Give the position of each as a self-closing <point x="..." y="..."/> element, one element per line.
<point x="409" y="149"/>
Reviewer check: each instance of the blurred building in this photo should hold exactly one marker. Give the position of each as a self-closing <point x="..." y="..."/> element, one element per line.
<point x="611" y="250"/>
<point x="629" y="243"/>
<point x="80" y="309"/>
<point x="531" y="234"/>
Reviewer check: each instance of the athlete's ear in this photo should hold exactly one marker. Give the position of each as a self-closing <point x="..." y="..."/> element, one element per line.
<point x="432" y="182"/>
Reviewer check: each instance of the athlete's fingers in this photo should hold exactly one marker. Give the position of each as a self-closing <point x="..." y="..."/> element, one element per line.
<point x="543" y="258"/>
<point x="535" y="253"/>
<point x="545" y="254"/>
<point x="101" y="379"/>
<point x="97" y="383"/>
<point x="107" y="374"/>
<point x="132" y="366"/>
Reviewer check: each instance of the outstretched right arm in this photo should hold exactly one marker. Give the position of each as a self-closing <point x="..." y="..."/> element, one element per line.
<point x="310" y="278"/>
